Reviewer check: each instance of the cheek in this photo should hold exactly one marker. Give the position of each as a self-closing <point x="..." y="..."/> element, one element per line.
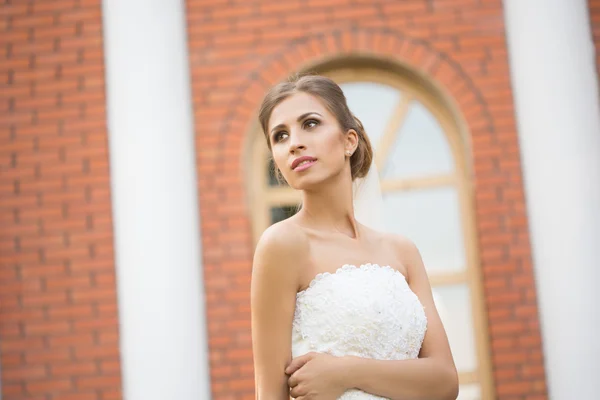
<point x="279" y="157"/>
<point x="333" y="146"/>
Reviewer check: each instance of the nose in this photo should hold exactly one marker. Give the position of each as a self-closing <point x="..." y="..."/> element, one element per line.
<point x="296" y="143"/>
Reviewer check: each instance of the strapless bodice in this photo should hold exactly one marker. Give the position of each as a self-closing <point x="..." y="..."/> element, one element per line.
<point x="366" y="311"/>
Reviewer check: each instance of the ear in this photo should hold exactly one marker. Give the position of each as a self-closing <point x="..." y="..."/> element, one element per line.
<point x="351" y="141"/>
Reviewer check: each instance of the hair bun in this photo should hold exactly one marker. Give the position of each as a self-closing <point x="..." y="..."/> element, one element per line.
<point x="362" y="158"/>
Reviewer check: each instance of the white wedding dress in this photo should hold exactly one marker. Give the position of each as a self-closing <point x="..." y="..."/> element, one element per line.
<point x="367" y="311"/>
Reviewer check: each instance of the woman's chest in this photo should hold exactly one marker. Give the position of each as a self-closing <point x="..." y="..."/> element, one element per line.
<point x="366" y="310"/>
<point x="326" y="256"/>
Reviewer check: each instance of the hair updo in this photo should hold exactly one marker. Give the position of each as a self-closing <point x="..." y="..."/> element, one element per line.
<point x="334" y="100"/>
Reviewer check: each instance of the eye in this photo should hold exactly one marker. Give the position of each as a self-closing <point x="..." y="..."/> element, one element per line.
<point x="310" y="123"/>
<point x="279" y="136"/>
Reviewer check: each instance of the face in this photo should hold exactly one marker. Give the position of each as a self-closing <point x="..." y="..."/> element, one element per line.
<point x="307" y="142"/>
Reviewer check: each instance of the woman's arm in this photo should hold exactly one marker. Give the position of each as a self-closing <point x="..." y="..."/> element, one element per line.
<point x="433" y="375"/>
<point x="273" y="300"/>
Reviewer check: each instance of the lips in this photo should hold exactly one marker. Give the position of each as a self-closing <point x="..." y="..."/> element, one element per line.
<point x="302" y="159"/>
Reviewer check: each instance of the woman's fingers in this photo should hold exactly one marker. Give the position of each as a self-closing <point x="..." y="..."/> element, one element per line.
<point x="297" y="392"/>
<point x="293" y="380"/>
<point x="298" y="363"/>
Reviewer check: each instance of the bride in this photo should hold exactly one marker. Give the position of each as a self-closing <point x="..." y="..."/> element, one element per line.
<point x="339" y="310"/>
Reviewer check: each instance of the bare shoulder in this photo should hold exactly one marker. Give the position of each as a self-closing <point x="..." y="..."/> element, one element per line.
<point x="281" y="251"/>
<point x="282" y="238"/>
<point x="403" y="244"/>
<point x="406" y="251"/>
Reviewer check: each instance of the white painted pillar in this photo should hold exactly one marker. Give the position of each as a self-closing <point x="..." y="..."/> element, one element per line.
<point x="556" y="94"/>
<point x="155" y="206"/>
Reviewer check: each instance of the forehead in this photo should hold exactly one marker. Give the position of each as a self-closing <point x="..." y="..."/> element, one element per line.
<point x="297" y="104"/>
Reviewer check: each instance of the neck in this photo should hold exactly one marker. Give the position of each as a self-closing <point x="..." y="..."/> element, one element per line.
<point x="330" y="207"/>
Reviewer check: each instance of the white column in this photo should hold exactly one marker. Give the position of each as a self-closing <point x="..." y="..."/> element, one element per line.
<point x="155" y="207"/>
<point x="556" y="94"/>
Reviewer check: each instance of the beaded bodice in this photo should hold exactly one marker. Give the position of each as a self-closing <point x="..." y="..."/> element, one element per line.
<point x="366" y="311"/>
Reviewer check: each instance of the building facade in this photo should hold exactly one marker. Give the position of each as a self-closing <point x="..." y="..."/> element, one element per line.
<point x="135" y="183"/>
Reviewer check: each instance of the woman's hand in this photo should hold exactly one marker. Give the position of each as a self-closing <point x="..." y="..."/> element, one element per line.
<point x="316" y="376"/>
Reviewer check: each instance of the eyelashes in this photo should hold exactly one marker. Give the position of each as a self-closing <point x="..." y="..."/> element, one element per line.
<point x="309" y="121"/>
<point x="308" y="124"/>
<point x="278" y="136"/>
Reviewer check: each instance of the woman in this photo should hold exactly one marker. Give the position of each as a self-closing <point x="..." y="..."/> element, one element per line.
<point x="339" y="310"/>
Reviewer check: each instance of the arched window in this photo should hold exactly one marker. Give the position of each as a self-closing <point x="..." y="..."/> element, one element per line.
<point x="422" y="161"/>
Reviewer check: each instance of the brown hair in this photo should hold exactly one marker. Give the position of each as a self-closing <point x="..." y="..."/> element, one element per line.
<point x="332" y="95"/>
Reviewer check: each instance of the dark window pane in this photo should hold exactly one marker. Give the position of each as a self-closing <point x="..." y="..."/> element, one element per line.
<point x="281" y="213"/>
<point x="272" y="177"/>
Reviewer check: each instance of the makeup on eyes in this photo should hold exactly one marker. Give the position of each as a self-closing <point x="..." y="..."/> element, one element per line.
<point x="299" y="119"/>
<point x="302" y="117"/>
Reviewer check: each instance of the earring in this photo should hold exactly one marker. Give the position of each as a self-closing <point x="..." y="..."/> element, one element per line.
<point x="348" y="153"/>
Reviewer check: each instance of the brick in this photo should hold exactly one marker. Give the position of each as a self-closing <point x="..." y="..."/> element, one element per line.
<point x="345" y="13"/>
<point x="74" y="369"/>
<point x="532" y="371"/>
<point x="506" y="328"/>
<point x="54" y="31"/>
<point x="23" y="373"/>
<point x="508" y="357"/>
<point x="530" y="341"/>
<point x="48" y="386"/>
<point x="96" y="352"/>
<point x="416" y="8"/>
<point x="53" y="283"/>
<point x="506" y="373"/>
<point x="514" y="388"/>
<point x="81" y="14"/>
<point x="13" y="390"/>
<point x="14" y="9"/>
<point x="25" y="76"/>
<point x="48" y="356"/>
<point x="77" y="395"/>
<point x="98" y="381"/>
<point x="12" y="360"/>
<point x="221" y="372"/>
<point x="56" y="5"/>
<point x="86" y="325"/>
<point x="70" y="312"/>
<point x="110" y="367"/>
<point x="241" y="384"/>
<point x="54" y="86"/>
<point x="17" y="287"/>
<point x="297" y="19"/>
<point x="44" y="328"/>
<point x="108" y="337"/>
<point x="111" y="394"/>
<point x="105" y="278"/>
<point x="278" y="8"/>
<point x="93" y="294"/>
<point x="66" y="57"/>
<point x="31" y="21"/>
<point x="109" y="308"/>
<point x="44" y="299"/>
<point x="74" y="339"/>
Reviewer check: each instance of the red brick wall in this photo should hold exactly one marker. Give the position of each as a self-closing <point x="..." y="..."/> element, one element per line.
<point x="238" y="50"/>
<point x="594" y="7"/>
<point x="58" y="316"/>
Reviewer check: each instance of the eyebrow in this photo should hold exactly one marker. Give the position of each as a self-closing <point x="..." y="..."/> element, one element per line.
<point x="300" y="118"/>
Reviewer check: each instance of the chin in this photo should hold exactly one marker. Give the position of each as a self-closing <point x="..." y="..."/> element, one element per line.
<point x="308" y="182"/>
<point x="301" y="184"/>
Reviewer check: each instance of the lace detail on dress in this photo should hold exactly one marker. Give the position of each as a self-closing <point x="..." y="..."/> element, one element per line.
<point x="367" y="311"/>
